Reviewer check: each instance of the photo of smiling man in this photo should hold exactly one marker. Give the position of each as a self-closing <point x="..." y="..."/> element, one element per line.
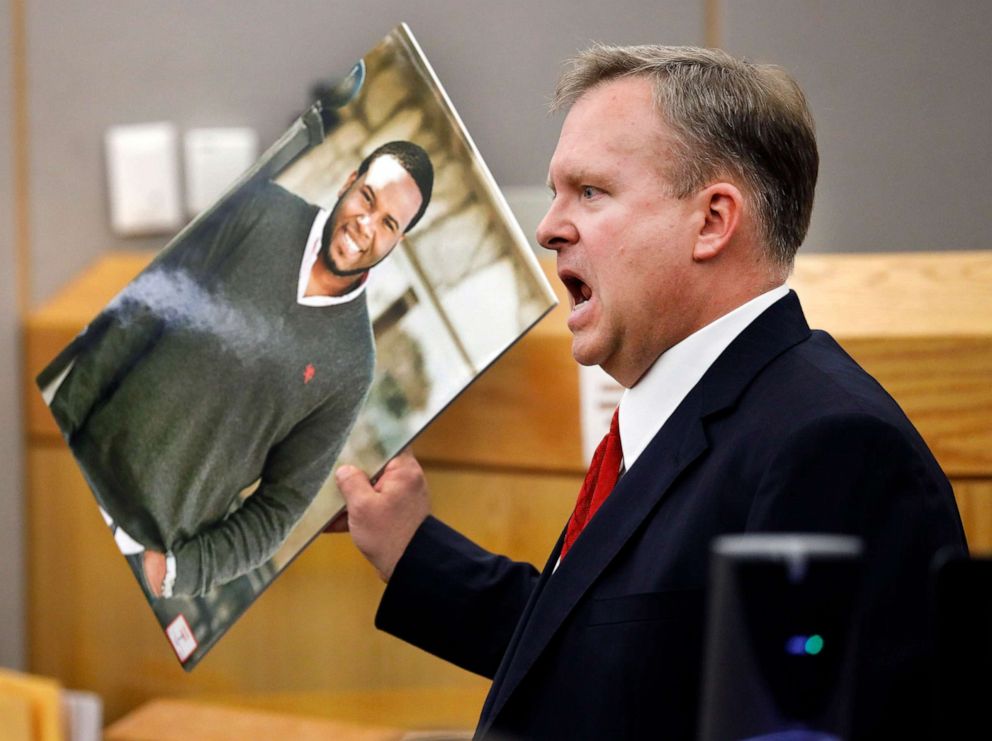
<point x="208" y="403"/>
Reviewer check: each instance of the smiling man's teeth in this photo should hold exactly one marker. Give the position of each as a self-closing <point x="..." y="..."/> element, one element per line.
<point x="350" y="246"/>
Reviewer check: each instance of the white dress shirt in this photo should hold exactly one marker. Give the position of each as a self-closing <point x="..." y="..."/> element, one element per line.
<point x="648" y="405"/>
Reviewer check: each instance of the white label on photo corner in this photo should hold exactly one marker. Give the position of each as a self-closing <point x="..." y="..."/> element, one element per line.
<point x="181" y="637"/>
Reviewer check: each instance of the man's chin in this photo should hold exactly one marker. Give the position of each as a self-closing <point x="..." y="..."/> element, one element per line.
<point x="583" y="354"/>
<point x="342" y="272"/>
<point x="348" y="273"/>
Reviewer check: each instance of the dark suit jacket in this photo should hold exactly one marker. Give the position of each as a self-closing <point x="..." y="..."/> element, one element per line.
<point x="783" y="433"/>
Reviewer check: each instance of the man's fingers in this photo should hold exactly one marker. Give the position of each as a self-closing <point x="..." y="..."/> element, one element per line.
<point x="154" y="567"/>
<point x="399" y="471"/>
<point x="383" y="519"/>
<point x="351" y="481"/>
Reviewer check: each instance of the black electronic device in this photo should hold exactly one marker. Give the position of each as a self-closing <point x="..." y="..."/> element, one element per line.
<point x="962" y="602"/>
<point x="780" y="637"/>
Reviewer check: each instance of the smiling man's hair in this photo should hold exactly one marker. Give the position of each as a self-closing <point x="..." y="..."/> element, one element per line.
<point x="415" y="161"/>
<point x="730" y="118"/>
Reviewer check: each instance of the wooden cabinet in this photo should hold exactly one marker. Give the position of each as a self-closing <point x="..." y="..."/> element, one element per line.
<point x="504" y="465"/>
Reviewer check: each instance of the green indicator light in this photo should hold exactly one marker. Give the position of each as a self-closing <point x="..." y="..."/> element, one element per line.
<point x="814" y="644"/>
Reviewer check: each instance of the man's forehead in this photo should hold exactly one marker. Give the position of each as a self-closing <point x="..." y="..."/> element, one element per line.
<point x="617" y="118"/>
<point x="394" y="188"/>
<point x="621" y="108"/>
<point x="385" y="170"/>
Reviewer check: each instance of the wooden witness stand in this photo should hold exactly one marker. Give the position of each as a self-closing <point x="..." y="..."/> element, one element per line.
<point x="502" y="467"/>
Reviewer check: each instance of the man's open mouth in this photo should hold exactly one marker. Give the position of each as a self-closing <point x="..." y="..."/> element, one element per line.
<point x="579" y="291"/>
<point x="350" y="245"/>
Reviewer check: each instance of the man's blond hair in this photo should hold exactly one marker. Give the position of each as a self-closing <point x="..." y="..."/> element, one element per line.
<point x="730" y="119"/>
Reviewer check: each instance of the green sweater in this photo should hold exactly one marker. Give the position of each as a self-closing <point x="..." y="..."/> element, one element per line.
<point x="204" y="376"/>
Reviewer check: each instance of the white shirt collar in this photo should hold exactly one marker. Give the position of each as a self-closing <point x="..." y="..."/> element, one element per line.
<point x="314" y="241"/>
<point x="648" y="405"/>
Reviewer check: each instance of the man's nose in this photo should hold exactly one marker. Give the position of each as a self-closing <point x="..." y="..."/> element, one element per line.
<point x="365" y="222"/>
<point x="556" y="230"/>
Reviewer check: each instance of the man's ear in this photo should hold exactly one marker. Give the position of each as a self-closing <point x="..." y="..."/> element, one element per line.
<point x="348" y="183"/>
<point x="722" y="205"/>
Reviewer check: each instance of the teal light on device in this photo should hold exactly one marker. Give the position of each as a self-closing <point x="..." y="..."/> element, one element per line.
<point x="804" y="645"/>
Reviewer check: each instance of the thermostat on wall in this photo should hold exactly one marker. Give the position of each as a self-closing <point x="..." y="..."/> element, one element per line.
<point x="143" y="179"/>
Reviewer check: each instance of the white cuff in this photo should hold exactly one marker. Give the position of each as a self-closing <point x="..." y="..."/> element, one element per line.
<point x="170" y="574"/>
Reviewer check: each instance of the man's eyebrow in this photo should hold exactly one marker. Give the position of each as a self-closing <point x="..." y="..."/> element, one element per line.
<point x="578" y="177"/>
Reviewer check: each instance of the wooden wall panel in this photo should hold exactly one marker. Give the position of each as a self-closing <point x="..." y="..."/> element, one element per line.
<point x="504" y="466"/>
<point x="945" y="387"/>
<point x="975" y="503"/>
<point x="311" y="632"/>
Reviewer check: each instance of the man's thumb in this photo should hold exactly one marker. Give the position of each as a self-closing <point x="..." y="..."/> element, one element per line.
<point x="351" y="481"/>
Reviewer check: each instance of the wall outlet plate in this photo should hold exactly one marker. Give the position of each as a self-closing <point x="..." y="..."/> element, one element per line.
<point x="143" y="179"/>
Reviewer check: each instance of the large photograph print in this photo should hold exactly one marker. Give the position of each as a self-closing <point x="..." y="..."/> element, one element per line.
<point x="323" y="311"/>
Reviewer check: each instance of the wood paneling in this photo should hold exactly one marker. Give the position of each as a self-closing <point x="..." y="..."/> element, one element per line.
<point x="922" y="325"/>
<point x="975" y="502"/>
<point x="945" y="387"/>
<point x="912" y="295"/>
<point x="311" y="631"/>
<point x="504" y="465"/>
<point x="407" y="707"/>
<point x="52" y="326"/>
<point x="178" y="720"/>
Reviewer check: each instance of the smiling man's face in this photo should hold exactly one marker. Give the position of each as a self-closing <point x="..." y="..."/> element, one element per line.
<point x="372" y="212"/>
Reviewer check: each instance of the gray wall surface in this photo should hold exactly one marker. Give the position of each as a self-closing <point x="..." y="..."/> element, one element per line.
<point x="901" y="95"/>
<point x="252" y="62"/>
<point x="11" y="449"/>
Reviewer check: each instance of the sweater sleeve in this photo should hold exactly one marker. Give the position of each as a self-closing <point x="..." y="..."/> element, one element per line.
<point x="98" y="358"/>
<point x="294" y="472"/>
<point x="117" y="339"/>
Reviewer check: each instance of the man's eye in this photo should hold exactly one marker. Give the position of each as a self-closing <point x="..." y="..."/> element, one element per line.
<point x="589" y="191"/>
<point x="367" y="195"/>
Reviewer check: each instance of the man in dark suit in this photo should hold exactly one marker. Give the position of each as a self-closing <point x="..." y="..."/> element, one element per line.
<point x="682" y="186"/>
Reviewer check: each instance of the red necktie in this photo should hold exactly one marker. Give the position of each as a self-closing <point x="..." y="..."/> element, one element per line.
<point x="599" y="482"/>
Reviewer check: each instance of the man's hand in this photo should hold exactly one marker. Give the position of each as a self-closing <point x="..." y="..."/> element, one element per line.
<point x="154" y="565"/>
<point x="382" y="518"/>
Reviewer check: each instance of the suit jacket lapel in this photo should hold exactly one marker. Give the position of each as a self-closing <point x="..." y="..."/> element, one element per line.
<point x="557" y="594"/>
<point x="679" y="442"/>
